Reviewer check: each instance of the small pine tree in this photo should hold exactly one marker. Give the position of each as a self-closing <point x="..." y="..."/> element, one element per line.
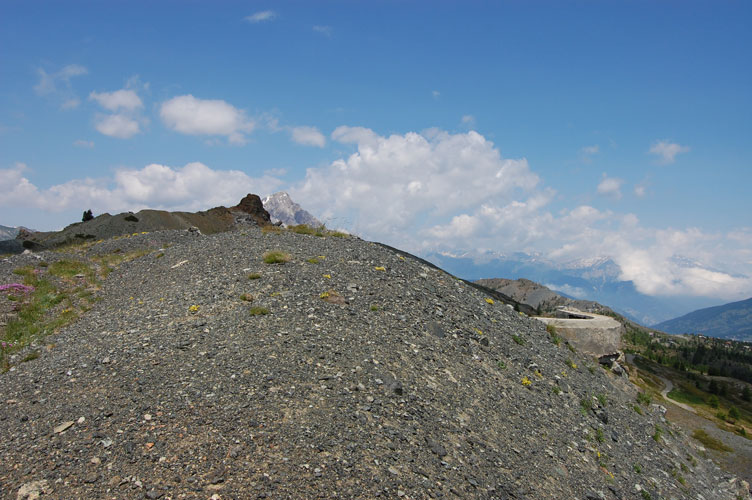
<point x="734" y="413"/>
<point x="87" y="216"/>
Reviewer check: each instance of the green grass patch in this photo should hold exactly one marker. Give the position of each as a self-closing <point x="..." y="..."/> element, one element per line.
<point x="70" y="269"/>
<point x="30" y="357"/>
<point x="254" y="276"/>
<point x="259" y="311"/>
<point x="306" y="229"/>
<point x="276" y="257"/>
<point x="681" y="395"/>
<point x="710" y="442"/>
<point x="658" y="434"/>
<point x="518" y="340"/>
<point x="109" y="262"/>
<point x="644" y="398"/>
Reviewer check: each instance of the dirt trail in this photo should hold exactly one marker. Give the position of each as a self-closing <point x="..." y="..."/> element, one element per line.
<point x="668" y="387"/>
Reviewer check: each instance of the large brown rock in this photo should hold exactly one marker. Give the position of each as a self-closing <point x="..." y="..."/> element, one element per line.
<point x="251" y="205"/>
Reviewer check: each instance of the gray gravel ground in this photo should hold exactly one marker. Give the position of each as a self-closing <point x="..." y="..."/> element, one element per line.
<point x="401" y="381"/>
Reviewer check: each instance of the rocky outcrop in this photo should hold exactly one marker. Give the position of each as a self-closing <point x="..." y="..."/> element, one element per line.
<point x="251" y="205"/>
<point x="540" y="297"/>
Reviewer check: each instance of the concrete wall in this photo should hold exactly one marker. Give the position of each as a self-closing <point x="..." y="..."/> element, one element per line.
<point x="589" y="333"/>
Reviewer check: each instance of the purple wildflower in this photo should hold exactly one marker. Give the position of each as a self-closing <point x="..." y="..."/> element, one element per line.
<point x="16" y="287"/>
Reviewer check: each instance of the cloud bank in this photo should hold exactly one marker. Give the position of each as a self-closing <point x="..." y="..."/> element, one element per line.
<point x="423" y="191"/>
<point x="191" y="187"/>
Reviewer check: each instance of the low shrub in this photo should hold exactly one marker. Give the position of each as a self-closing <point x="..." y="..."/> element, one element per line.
<point x="276" y="257"/>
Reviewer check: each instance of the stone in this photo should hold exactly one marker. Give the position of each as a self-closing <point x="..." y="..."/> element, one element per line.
<point x="33" y="490"/>
<point x="435" y="329"/>
<point x="437" y="448"/>
<point x="63" y="427"/>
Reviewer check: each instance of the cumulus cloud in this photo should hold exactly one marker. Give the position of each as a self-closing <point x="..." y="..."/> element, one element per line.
<point x="450" y="193"/>
<point x="119" y="126"/>
<point x="406" y="179"/>
<point x="308" y="136"/>
<point x="610" y="186"/>
<point x="667" y="151"/>
<point x="123" y="99"/>
<point x="58" y="84"/>
<point x="15" y="188"/>
<point x="591" y="150"/>
<point x="125" y="120"/>
<point x="261" y="16"/>
<point x="189" y="115"/>
<point x="194" y="186"/>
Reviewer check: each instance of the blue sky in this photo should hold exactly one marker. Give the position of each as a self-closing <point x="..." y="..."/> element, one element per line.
<point x="573" y="129"/>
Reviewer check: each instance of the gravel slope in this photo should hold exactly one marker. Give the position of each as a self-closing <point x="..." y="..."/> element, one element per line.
<point x="401" y="382"/>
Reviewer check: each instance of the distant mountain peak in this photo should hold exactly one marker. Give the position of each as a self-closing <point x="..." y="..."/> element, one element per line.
<point x="283" y="209"/>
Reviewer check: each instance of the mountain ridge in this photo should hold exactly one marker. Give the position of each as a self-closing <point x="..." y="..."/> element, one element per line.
<point x="727" y="321"/>
<point x="346" y="368"/>
<point x="589" y="279"/>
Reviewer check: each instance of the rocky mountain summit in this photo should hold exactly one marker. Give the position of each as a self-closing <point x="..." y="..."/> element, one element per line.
<point x="7" y="233"/>
<point x="263" y="363"/>
<point x="282" y="209"/>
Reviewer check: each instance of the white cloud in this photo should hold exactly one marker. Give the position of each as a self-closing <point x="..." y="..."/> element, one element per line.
<point x="80" y="143"/>
<point x="324" y="30"/>
<point x="189" y="115"/>
<point x="468" y="121"/>
<point x="435" y="94"/>
<point x="48" y="82"/>
<point x="308" y="136"/>
<point x="412" y="181"/>
<point x="122" y="99"/>
<point x="58" y="85"/>
<point x="453" y="193"/>
<point x="640" y="190"/>
<point x="591" y="150"/>
<point x="192" y="187"/>
<point x="125" y="120"/>
<point x="610" y="186"/>
<point x="667" y="151"/>
<point x="15" y="189"/>
<point x="262" y="16"/>
<point x="119" y="125"/>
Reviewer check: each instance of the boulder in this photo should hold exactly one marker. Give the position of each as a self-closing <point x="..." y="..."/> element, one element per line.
<point x="251" y="205"/>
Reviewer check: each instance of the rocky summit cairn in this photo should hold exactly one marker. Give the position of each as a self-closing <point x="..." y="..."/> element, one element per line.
<point x="266" y="363"/>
